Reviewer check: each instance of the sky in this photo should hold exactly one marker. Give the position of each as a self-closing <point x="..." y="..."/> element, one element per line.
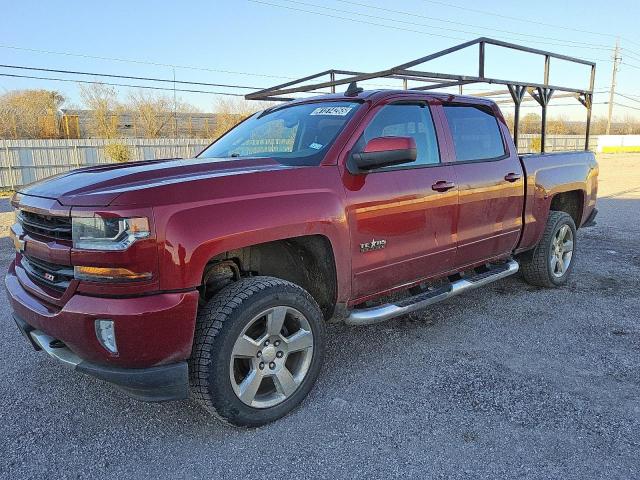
<point x="259" y="43"/>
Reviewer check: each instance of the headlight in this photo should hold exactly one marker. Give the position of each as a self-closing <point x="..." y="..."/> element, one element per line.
<point x="97" y="233"/>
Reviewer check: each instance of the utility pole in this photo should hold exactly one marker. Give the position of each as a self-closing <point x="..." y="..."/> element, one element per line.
<point x="175" y="106"/>
<point x="612" y="91"/>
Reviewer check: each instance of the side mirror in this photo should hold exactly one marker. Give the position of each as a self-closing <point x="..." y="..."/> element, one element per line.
<point x="383" y="152"/>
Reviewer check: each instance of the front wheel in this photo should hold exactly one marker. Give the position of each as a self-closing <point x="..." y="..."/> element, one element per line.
<point x="257" y="352"/>
<point x="550" y="263"/>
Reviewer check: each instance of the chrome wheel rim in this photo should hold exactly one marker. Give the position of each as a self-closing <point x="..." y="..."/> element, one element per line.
<point x="271" y="357"/>
<point x="561" y="251"/>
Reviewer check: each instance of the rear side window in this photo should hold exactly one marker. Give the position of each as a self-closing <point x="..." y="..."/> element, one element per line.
<point x="476" y="133"/>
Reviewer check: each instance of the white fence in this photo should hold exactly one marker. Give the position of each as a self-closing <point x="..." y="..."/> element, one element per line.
<point x="619" y="143"/>
<point x="25" y="161"/>
<point x="530" y="143"/>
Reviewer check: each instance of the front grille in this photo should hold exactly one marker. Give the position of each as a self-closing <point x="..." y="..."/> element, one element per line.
<point x="36" y="224"/>
<point x="50" y="274"/>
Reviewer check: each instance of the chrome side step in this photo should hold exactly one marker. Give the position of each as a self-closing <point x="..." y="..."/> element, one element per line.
<point x="368" y="316"/>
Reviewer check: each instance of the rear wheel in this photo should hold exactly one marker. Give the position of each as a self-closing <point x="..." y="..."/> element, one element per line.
<point x="551" y="262"/>
<point x="258" y="350"/>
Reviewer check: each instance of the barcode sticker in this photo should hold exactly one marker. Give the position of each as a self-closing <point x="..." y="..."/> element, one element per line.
<point x="333" y="111"/>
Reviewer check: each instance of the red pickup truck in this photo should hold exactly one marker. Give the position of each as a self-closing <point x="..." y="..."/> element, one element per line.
<point x="214" y="276"/>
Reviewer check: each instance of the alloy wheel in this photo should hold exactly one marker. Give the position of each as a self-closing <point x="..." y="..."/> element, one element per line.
<point x="271" y="357"/>
<point x="561" y="251"/>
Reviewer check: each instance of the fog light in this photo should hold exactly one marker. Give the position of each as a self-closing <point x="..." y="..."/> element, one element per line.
<point x="106" y="335"/>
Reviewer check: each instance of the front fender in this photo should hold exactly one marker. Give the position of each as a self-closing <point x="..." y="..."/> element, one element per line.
<point x="195" y="233"/>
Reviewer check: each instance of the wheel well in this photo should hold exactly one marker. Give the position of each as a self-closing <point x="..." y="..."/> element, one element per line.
<point x="570" y="202"/>
<point x="307" y="261"/>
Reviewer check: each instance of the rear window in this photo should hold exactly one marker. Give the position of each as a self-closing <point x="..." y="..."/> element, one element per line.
<point x="476" y="133"/>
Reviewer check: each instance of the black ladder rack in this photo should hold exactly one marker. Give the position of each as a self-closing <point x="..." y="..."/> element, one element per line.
<point x="540" y="92"/>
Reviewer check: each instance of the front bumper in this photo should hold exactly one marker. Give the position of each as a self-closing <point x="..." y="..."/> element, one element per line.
<point x="153" y="384"/>
<point x="154" y="336"/>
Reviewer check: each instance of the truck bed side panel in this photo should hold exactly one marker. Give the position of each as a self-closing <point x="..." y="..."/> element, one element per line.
<point x="548" y="175"/>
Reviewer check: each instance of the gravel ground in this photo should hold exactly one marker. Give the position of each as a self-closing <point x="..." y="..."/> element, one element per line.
<point x="510" y="381"/>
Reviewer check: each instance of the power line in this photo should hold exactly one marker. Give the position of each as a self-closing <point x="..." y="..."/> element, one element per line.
<point x="627" y="97"/>
<point x="633" y="55"/>
<point x="529" y="20"/>
<point x="141" y="62"/>
<point x="563" y="105"/>
<point x="630" y="65"/>
<point x="406" y="22"/>
<point x="626" y="106"/>
<point x="119" y="85"/>
<point x="413" y="14"/>
<point x="150" y="79"/>
<point x="394" y="27"/>
<point x="632" y="95"/>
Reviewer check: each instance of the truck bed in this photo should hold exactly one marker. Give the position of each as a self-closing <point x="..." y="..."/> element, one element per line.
<point x="547" y="175"/>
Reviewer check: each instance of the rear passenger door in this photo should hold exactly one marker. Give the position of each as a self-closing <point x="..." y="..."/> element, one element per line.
<point x="490" y="181"/>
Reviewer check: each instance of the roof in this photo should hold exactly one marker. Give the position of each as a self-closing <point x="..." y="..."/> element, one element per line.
<point x="380" y="94"/>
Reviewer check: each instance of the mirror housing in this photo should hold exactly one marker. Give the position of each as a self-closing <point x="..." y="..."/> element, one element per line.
<point x="383" y="152"/>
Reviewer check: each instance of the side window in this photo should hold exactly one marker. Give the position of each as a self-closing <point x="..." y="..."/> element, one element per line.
<point x="475" y="131"/>
<point x="402" y="120"/>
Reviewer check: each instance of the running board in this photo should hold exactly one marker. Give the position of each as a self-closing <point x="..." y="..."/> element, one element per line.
<point x="368" y="316"/>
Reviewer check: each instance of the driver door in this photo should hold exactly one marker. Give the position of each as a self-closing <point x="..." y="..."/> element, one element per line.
<point x="401" y="223"/>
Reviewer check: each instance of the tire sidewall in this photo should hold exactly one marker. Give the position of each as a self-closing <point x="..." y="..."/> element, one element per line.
<point x="223" y="397"/>
<point x="564" y="219"/>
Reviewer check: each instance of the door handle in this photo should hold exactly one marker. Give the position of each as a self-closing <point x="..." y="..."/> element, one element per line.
<point x="442" y="186"/>
<point x="512" y="177"/>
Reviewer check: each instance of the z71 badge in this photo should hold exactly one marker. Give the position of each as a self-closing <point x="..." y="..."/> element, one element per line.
<point x="372" y="245"/>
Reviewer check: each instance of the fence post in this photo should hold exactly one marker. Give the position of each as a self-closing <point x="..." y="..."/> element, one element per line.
<point x="76" y="154"/>
<point x="11" y="179"/>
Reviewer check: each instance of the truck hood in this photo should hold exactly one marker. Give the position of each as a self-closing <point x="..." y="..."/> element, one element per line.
<point x="99" y="186"/>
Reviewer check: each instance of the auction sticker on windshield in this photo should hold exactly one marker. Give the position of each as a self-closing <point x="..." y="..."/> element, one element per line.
<point x="334" y="111"/>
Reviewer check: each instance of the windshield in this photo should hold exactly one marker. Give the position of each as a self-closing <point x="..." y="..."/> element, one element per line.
<point x="295" y="135"/>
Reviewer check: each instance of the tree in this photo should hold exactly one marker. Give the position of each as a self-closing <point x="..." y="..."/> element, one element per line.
<point x="509" y="119"/>
<point x="30" y="114"/>
<point x="231" y="111"/>
<point x="102" y="101"/>
<point x="530" y="123"/>
<point x="155" y="115"/>
<point x="151" y="113"/>
<point x="558" y="126"/>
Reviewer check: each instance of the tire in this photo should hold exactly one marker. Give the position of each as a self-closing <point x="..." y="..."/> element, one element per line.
<point x="223" y="369"/>
<point x="541" y="266"/>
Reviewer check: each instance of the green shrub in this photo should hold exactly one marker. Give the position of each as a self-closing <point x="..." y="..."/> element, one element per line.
<point x="118" y="152"/>
<point x="536" y="143"/>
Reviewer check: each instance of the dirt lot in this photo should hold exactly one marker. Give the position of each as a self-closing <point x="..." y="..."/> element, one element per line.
<point x="507" y="382"/>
